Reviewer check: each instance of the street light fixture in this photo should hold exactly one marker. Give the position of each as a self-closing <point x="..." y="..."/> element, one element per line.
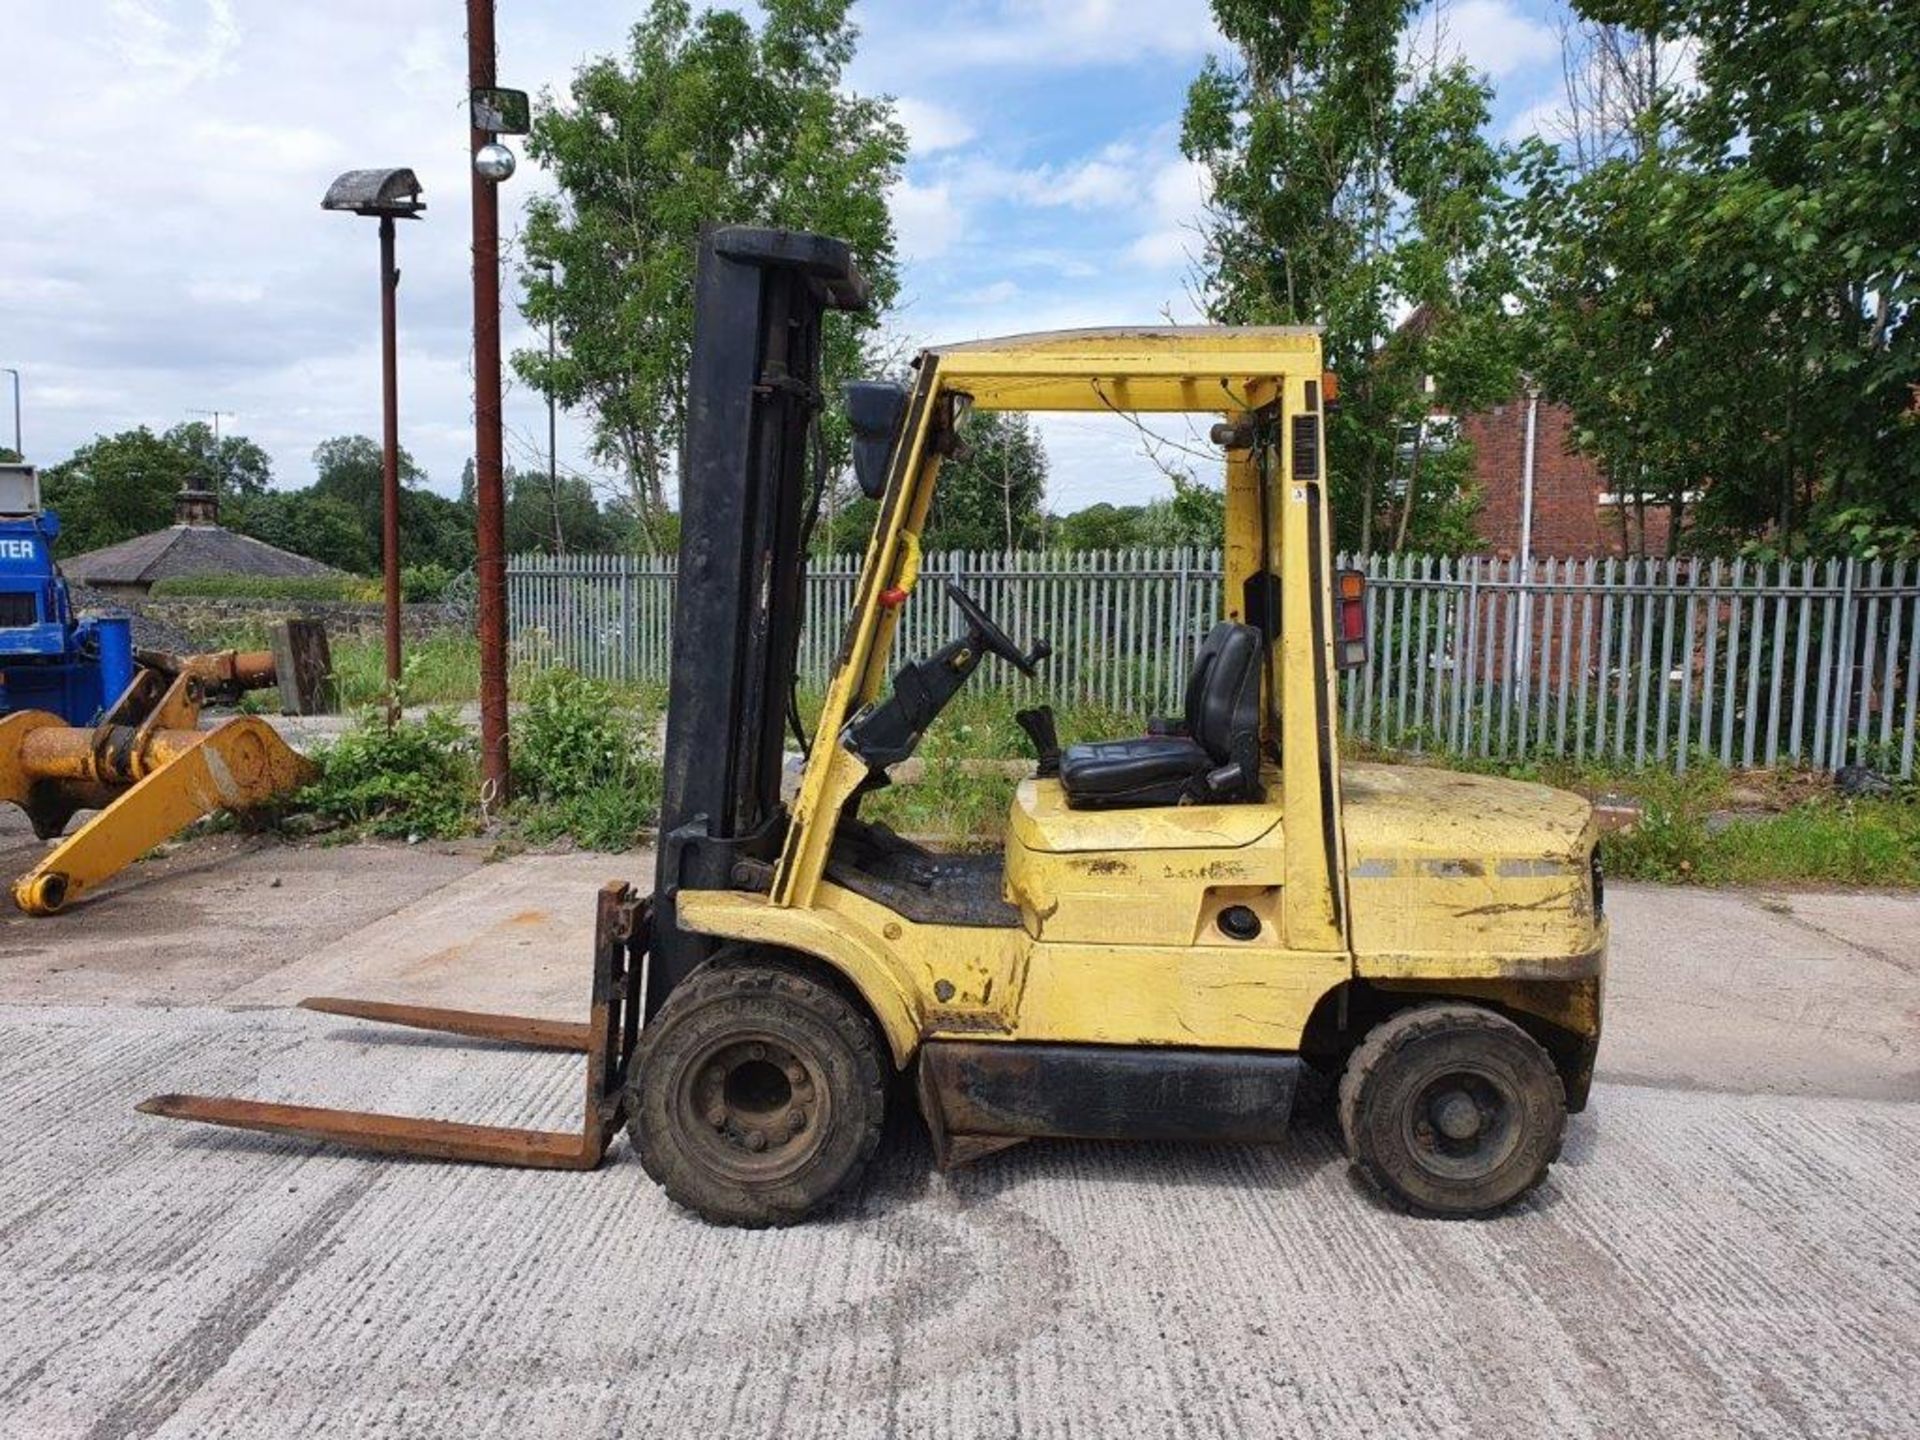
<point x="387" y="195"/>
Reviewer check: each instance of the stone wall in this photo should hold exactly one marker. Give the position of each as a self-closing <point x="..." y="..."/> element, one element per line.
<point x="210" y="622"/>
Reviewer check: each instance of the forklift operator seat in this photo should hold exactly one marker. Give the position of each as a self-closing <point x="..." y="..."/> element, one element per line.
<point x="1212" y="754"/>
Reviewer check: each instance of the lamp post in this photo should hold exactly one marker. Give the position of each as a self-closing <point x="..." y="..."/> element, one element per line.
<point x="387" y="195"/>
<point x="21" y="454"/>
<point x="545" y="267"/>
<point x="492" y="112"/>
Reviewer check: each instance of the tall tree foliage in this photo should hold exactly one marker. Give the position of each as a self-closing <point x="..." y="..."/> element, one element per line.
<point x="704" y="121"/>
<point x="433" y="529"/>
<point x="231" y="464"/>
<point x="1352" y="187"/>
<point x="1726" y="300"/>
<point x="990" y="494"/>
<point x="116" y="487"/>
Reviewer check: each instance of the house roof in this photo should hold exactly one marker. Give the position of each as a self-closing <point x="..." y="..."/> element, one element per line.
<point x="181" y="550"/>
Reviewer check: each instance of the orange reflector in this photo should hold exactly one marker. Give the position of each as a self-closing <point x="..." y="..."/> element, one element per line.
<point x="1329" y="388"/>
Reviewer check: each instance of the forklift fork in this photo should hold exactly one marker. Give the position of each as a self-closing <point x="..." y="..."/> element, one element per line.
<point x="622" y="935"/>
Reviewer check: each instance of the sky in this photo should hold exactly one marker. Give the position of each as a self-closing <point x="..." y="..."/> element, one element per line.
<point x="163" y="253"/>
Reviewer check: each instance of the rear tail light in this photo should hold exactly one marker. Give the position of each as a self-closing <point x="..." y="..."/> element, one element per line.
<point x="1350" y="619"/>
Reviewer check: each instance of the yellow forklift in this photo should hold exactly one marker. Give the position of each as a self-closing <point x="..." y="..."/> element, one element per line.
<point x="1180" y="924"/>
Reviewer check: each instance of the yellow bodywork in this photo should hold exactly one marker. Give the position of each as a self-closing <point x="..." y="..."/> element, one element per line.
<point x="1394" y="878"/>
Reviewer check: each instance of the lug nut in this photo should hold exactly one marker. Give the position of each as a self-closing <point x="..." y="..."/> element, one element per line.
<point x="717" y="1118"/>
<point x="756" y="1141"/>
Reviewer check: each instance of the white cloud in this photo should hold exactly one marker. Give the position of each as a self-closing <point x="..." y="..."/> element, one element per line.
<point x="1104" y="183"/>
<point x="927" y="220"/>
<point x="931" y="127"/>
<point x="1039" y="34"/>
<point x="173" y="43"/>
<point x="1493" y="36"/>
<point x="1000" y="292"/>
<point x="165" y="251"/>
<point x="1178" y="198"/>
<point x="226" y="292"/>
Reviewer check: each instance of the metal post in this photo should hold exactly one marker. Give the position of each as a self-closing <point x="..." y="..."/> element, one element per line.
<point x="490" y="569"/>
<point x="16" y="414"/>
<point x="1526" y="536"/>
<point x="390" y="459"/>
<point x="553" y="438"/>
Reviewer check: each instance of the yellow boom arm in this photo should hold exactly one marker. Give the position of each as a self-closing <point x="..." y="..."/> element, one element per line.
<point x="147" y="782"/>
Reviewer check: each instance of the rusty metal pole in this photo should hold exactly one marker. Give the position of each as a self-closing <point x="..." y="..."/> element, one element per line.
<point x="490" y="567"/>
<point x="390" y="458"/>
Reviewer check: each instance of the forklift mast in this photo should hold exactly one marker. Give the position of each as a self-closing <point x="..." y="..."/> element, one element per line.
<point x="760" y="298"/>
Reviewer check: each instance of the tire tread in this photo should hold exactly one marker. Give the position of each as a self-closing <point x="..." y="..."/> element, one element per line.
<point x="735" y="976"/>
<point x="1383" y="1043"/>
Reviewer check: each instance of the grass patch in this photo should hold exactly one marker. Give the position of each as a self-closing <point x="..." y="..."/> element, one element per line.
<point x="435" y="670"/>
<point x="1713" y="826"/>
<point x="583" y="765"/>
<point x="417" y="780"/>
<point x="956" y="799"/>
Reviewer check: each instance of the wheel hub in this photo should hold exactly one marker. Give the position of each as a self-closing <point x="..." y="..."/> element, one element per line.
<point x="1463" y="1124"/>
<point x="761" y="1104"/>
<point x="1456" y="1116"/>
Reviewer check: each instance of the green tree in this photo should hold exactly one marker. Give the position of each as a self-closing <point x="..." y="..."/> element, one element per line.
<point x="433" y="529"/>
<point x="1349" y="188"/>
<point x="232" y="465"/>
<point x="1101" y="526"/>
<point x="114" y="488"/>
<point x="1725" y="301"/>
<point x="321" y="527"/>
<point x="558" y="516"/>
<point x="704" y="121"/>
<point x="1195" y="515"/>
<point x="989" y="494"/>
<point x="846" y="521"/>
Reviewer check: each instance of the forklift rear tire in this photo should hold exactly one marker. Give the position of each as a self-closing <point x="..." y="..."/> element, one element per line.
<point x="1452" y="1110"/>
<point x="758" y="1096"/>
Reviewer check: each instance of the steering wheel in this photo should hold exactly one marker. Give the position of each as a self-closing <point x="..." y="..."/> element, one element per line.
<point x="992" y="638"/>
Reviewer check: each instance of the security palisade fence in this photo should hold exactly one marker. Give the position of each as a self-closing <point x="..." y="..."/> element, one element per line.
<point x="1645" y="662"/>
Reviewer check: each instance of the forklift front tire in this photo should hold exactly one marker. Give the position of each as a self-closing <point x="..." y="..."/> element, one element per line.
<point x="1452" y="1110"/>
<point x="758" y="1094"/>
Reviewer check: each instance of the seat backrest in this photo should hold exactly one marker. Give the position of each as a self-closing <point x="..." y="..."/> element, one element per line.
<point x="1223" y="696"/>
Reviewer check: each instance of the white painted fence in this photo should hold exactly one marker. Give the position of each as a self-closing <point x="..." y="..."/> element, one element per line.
<point x="1647" y="662"/>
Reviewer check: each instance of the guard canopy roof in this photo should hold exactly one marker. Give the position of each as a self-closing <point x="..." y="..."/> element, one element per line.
<point x="1173" y="368"/>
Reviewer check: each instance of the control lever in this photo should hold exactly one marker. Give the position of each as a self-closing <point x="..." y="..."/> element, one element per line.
<point x="1041" y="734"/>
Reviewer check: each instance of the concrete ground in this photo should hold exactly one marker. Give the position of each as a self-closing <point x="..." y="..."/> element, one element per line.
<point x="1729" y="1246"/>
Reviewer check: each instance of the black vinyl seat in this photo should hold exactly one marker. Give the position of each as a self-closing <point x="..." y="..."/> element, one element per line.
<point x="1211" y="754"/>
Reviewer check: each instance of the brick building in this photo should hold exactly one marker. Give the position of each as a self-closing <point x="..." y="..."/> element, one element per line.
<point x="1575" y="512"/>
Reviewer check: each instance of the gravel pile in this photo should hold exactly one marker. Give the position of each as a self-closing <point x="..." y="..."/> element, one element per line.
<point x="148" y="634"/>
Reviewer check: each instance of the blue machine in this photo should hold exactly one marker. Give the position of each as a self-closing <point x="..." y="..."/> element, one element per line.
<point x="49" y="659"/>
